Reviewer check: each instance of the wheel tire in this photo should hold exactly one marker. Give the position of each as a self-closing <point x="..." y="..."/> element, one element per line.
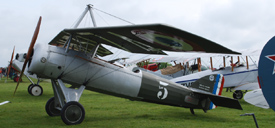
<point x="238" y="94"/>
<point x="72" y="113"/>
<point x="29" y="89"/>
<point x="50" y="108"/>
<point x="36" y="90"/>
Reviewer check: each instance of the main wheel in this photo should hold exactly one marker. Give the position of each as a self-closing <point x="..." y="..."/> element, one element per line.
<point x="50" y="108"/>
<point x="72" y="113"/>
<point x="238" y="94"/>
<point x="36" y="90"/>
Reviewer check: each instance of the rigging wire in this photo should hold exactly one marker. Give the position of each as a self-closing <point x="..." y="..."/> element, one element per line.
<point x="118" y="52"/>
<point x="102" y="18"/>
<point x="114" y="16"/>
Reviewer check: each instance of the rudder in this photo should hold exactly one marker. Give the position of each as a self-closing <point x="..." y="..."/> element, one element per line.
<point x="209" y="84"/>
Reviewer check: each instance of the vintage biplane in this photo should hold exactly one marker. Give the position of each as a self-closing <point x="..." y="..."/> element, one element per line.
<point x="34" y="89"/>
<point x="17" y="64"/>
<point x="73" y="57"/>
<point x="239" y="75"/>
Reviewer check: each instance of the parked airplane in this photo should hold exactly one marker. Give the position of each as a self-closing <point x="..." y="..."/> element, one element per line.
<point x="34" y="89"/>
<point x="16" y="64"/>
<point x="72" y="57"/>
<point x="266" y="78"/>
<point x="237" y="75"/>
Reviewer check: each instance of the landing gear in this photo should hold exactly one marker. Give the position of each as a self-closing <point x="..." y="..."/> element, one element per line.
<point x="238" y="94"/>
<point x="72" y="113"/>
<point x="51" y="109"/>
<point x="65" y="103"/>
<point x="35" y="90"/>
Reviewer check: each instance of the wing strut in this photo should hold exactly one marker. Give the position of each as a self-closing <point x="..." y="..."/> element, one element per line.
<point x="68" y="42"/>
<point x="88" y="8"/>
<point x="93" y="52"/>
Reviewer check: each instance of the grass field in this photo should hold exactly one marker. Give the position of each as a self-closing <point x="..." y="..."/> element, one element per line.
<point x="103" y="111"/>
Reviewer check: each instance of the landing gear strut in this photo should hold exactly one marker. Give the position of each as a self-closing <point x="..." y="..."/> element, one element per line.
<point x="51" y="109"/>
<point x="65" y="103"/>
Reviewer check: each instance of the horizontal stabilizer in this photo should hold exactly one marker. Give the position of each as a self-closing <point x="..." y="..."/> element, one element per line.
<point x="210" y="87"/>
<point x="225" y="102"/>
<point x="222" y="101"/>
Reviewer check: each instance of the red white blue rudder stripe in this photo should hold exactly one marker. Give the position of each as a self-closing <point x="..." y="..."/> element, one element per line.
<point x="217" y="90"/>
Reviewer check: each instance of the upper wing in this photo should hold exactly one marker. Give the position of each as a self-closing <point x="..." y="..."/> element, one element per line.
<point x="148" y="39"/>
<point x="85" y="43"/>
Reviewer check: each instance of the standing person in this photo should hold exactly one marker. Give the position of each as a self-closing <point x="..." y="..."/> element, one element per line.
<point x="4" y="71"/>
<point x="1" y="73"/>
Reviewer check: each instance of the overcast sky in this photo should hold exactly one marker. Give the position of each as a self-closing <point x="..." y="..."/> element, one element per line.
<point x="235" y="24"/>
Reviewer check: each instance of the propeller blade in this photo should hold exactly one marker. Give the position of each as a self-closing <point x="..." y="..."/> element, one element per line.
<point x="10" y="63"/>
<point x="29" y="52"/>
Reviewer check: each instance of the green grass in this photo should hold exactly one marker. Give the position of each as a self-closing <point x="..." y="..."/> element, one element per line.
<point x="103" y="111"/>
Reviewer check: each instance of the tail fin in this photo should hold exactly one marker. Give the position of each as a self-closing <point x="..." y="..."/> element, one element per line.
<point x="210" y="88"/>
<point x="211" y="83"/>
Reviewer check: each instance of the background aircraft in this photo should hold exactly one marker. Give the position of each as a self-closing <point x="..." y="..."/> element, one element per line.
<point x="240" y="75"/>
<point x="34" y="89"/>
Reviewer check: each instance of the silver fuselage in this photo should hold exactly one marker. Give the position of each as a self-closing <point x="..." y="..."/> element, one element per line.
<point x="77" y="68"/>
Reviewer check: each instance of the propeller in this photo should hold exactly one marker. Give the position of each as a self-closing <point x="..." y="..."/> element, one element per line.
<point x="9" y="68"/>
<point x="29" y="52"/>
